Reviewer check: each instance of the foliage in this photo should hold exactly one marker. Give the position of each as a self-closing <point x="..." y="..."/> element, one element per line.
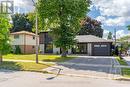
<point x="125" y="38"/>
<point x="109" y="35"/>
<point x="128" y="27"/>
<point x="91" y="27"/>
<point x="21" y="22"/>
<point x="125" y="45"/>
<point x="32" y="19"/>
<point x="17" y="50"/>
<point x="4" y="35"/>
<point x="62" y="18"/>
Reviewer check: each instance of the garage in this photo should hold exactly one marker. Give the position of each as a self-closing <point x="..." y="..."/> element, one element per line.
<point x="102" y="49"/>
<point x="95" y="46"/>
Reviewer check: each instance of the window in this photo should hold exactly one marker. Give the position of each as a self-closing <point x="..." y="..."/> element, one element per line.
<point x="103" y="45"/>
<point x="96" y="45"/>
<point x="33" y="47"/>
<point x="33" y="37"/>
<point x="16" y="36"/>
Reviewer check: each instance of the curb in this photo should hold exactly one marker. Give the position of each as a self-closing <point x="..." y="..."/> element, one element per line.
<point x="123" y="79"/>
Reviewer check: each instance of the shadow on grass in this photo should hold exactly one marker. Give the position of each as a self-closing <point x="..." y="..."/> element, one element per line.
<point x="9" y="67"/>
<point x="58" y="59"/>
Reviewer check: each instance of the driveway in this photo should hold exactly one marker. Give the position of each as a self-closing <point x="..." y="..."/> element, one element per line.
<point x="98" y="66"/>
<point x="31" y="79"/>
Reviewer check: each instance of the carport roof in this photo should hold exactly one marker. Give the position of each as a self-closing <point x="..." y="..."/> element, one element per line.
<point x="90" y="38"/>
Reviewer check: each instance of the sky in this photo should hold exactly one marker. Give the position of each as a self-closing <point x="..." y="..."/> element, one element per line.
<point x="113" y="14"/>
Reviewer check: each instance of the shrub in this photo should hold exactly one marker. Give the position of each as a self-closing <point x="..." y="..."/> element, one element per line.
<point x="17" y="50"/>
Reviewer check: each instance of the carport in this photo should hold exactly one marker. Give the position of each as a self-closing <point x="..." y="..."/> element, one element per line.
<point x="92" y="45"/>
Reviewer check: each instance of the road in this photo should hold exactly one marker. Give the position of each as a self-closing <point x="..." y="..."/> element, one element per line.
<point x="32" y="79"/>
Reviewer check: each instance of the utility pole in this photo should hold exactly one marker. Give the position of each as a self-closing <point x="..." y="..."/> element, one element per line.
<point x="115" y="35"/>
<point x="36" y="47"/>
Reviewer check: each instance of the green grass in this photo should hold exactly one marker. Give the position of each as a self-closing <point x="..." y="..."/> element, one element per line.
<point x="23" y="66"/>
<point x="121" y="61"/>
<point x="46" y="58"/>
<point x="125" y="71"/>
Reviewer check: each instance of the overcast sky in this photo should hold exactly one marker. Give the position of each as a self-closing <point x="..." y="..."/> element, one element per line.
<point x="112" y="13"/>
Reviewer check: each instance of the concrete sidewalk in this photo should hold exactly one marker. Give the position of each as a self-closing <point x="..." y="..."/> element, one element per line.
<point x="28" y="61"/>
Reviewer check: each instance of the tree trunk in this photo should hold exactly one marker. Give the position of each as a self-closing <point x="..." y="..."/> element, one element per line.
<point x="64" y="53"/>
<point x="1" y="59"/>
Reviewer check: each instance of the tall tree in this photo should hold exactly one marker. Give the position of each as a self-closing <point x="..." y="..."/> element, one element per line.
<point x="31" y="17"/>
<point x="63" y="17"/>
<point x="109" y="35"/>
<point x="91" y="27"/>
<point x="21" y="22"/>
<point x="4" y="36"/>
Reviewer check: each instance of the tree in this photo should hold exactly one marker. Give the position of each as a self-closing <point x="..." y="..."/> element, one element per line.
<point x="21" y="22"/>
<point x="4" y="36"/>
<point x="91" y="27"/>
<point x="128" y="27"/>
<point x="109" y="35"/>
<point x="31" y="17"/>
<point x="62" y="18"/>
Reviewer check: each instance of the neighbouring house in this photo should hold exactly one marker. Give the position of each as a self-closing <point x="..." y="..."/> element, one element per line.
<point x="25" y="40"/>
<point x="86" y="44"/>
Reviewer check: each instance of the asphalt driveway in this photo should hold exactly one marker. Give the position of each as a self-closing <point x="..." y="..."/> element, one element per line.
<point x="100" y="66"/>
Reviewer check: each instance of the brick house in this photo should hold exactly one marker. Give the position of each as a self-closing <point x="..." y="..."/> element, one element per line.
<point x="25" y="40"/>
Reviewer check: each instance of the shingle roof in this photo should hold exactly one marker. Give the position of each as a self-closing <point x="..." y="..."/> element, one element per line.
<point x="90" y="38"/>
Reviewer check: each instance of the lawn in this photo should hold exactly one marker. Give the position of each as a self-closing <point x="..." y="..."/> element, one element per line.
<point x="23" y="66"/>
<point x="46" y="58"/>
<point x="125" y="71"/>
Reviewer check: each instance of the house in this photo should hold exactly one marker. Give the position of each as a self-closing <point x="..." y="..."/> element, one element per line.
<point x="92" y="45"/>
<point x="86" y="44"/>
<point x="25" y="40"/>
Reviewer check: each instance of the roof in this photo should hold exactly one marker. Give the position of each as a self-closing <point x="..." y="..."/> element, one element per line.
<point x="23" y="32"/>
<point x="90" y="38"/>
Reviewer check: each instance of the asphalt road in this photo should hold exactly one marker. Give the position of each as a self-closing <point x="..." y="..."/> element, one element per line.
<point x="31" y="79"/>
